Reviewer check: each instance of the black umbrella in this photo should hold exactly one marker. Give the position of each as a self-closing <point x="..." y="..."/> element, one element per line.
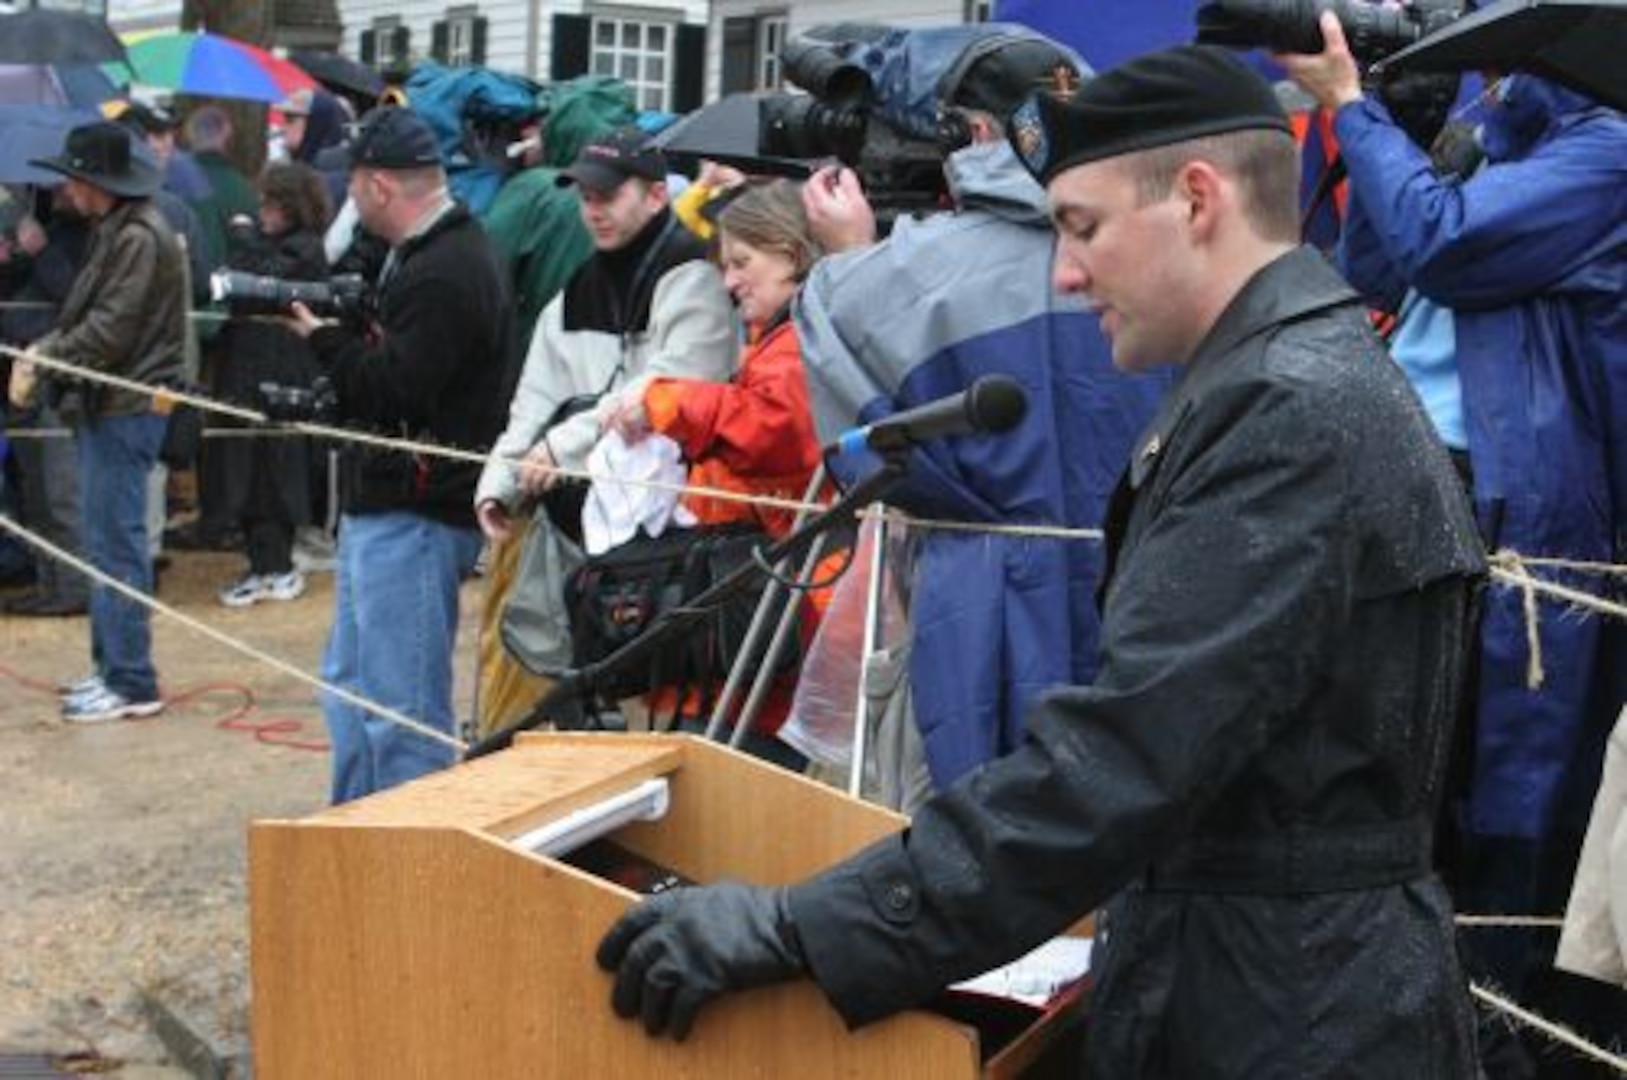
<point x="1581" y="44"/>
<point x="726" y="131"/>
<point x="57" y="37"/>
<point x="338" y="73"/>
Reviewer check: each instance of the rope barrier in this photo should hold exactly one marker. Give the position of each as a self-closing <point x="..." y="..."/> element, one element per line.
<point x="1507" y="568"/>
<point x="1517" y="922"/>
<point x="169" y="397"/>
<point x="382" y="711"/>
<point x="1557" y="1032"/>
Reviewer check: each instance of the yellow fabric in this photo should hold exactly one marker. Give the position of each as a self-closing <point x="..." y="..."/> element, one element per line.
<point x="506" y="690"/>
<point x="688" y="208"/>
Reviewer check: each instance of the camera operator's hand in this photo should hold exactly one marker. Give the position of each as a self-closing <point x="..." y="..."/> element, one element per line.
<point x="1330" y="76"/>
<point x="495" y="521"/>
<point x="537" y="473"/>
<point x="302" y="322"/>
<point x="839" y="216"/>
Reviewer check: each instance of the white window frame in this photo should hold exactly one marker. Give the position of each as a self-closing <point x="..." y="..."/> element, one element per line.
<point x="772" y="31"/>
<point x="460" y="36"/>
<point x="384" y="27"/>
<point x="627" y="40"/>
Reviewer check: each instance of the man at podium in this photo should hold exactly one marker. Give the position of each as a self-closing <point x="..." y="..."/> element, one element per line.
<point x="1253" y="777"/>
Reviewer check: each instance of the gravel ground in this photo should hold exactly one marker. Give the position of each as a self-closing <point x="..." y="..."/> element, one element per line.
<point x="122" y="856"/>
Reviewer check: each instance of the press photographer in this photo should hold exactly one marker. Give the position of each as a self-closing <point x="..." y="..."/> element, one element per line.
<point x="1507" y="288"/>
<point x="265" y="489"/>
<point x="1372" y="30"/>
<point x="431" y="370"/>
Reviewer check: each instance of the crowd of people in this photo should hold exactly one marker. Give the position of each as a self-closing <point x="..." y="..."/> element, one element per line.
<point x="1277" y="695"/>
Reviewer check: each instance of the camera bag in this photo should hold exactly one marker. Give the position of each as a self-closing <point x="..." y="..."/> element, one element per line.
<point x="614" y="597"/>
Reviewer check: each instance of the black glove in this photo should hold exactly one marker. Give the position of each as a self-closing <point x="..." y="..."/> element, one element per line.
<point x="675" y="952"/>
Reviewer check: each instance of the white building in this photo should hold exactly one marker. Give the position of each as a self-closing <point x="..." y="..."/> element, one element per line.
<point x="676" y="54"/>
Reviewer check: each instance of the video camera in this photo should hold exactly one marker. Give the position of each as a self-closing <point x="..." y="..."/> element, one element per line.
<point x="883" y="101"/>
<point x="317" y="403"/>
<point x="344" y="296"/>
<point x="1374" y="30"/>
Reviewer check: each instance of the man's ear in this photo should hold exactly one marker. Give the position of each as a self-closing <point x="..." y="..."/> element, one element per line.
<point x="1206" y="192"/>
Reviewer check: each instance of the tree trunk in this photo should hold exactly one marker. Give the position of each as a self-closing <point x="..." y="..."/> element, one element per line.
<point x="245" y="20"/>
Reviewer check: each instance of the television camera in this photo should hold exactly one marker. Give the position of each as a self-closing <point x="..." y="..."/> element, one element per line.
<point x="1374" y="30"/>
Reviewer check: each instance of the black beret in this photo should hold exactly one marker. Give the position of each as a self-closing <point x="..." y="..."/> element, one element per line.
<point x="394" y="137"/>
<point x="1165" y="97"/>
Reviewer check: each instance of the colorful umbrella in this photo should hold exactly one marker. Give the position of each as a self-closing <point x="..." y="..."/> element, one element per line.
<point x="210" y="65"/>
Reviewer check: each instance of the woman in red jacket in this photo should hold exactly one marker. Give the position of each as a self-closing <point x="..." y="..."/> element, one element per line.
<point x="754" y="433"/>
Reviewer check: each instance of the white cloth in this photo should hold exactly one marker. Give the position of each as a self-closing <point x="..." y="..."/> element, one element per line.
<point x="1594" y="939"/>
<point x="613" y="512"/>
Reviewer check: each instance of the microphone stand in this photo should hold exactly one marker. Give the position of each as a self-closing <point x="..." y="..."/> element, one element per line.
<point x="564" y="700"/>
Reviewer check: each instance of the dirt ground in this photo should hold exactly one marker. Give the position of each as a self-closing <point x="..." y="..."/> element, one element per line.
<point x="122" y="847"/>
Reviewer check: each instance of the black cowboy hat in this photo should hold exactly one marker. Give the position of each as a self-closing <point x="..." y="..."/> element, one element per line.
<point x="101" y="154"/>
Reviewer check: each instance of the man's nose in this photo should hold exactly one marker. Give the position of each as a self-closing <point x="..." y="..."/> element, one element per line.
<point x="1068" y="274"/>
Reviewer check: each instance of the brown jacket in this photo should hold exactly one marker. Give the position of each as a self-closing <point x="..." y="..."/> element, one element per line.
<point x="126" y="313"/>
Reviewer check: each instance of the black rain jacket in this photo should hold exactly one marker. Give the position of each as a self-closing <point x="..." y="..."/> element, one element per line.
<point x="1254" y="774"/>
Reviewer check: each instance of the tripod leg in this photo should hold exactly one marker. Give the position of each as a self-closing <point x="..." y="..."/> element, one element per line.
<point x="872" y="623"/>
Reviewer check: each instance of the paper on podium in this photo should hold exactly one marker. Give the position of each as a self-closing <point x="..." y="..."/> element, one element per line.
<point x="1037" y="977"/>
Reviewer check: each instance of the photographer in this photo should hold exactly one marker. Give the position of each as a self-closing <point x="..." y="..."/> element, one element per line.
<point x="1524" y="262"/>
<point x="430" y="369"/>
<point x="267" y="487"/>
<point x="941" y="301"/>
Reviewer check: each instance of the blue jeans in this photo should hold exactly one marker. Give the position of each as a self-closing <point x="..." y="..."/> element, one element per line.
<point x="116" y="453"/>
<point x="395" y="623"/>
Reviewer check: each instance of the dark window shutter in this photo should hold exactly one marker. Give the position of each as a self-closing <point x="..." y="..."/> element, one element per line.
<point x="369" y="48"/>
<point x="477" y="45"/>
<point x="572" y="36"/>
<point x="689" y="78"/>
<point x="437" y="42"/>
<point x="400" y="43"/>
<point x="739" y="55"/>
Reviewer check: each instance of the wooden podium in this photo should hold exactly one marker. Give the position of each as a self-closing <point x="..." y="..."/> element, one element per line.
<point x="409" y="935"/>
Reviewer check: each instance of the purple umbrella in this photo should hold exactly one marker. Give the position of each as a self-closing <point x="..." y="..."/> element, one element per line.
<point x="35" y="131"/>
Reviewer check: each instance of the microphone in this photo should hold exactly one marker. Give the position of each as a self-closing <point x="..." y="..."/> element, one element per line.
<point x="993" y="403"/>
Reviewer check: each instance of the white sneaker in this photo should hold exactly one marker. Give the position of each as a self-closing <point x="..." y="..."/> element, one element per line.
<point x="314" y="550"/>
<point x="106" y="706"/>
<point x="250" y="589"/>
<point x="288" y="586"/>
<point x="79" y="687"/>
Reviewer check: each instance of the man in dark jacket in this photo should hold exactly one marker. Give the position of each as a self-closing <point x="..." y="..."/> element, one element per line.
<point x="433" y="372"/>
<point x="126" y="317"/>
<point x="1253" y="774"/>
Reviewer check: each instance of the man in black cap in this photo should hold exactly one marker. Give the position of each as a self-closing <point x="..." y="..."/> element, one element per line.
<point x="646" y="303"/>
<point x="125" y="316"/>
<point x="1253" y="774"/>
<point x="430" y="369"/>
